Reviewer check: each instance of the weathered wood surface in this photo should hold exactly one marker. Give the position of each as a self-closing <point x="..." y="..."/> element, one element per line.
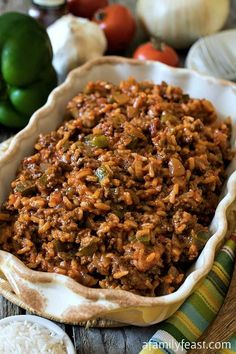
<point x="128" y="340"/>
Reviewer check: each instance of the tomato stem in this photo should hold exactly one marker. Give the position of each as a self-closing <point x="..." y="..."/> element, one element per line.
<point x="157" y="43"/>
<point x="100" y="15"/>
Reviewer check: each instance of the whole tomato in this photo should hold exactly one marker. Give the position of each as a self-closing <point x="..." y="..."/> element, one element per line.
<point x="158" y="51"/>
<point x="85" y="8"/>
<point x="118" y="25"/>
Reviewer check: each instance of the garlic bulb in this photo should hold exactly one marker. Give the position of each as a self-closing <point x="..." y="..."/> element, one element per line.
<point x="181" y="22"/>
<point x="74" y="41"/>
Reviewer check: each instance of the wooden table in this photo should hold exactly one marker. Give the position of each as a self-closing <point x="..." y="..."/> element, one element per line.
<point x="128" y="340"/>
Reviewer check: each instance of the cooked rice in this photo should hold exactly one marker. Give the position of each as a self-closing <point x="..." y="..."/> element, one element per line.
<point x="29" y="338"/>
<point x="121" y="195"/>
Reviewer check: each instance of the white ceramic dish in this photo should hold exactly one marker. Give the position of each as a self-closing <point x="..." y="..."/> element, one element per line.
<point x="61" y="298"/>
<point x="52" y="327"/>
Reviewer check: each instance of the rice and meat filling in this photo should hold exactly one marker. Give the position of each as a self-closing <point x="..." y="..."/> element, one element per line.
<point x="121" y="195"/>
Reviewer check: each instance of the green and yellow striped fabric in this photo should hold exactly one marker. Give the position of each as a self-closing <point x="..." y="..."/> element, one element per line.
<point x="177" y="333"/>
<point x="231" y="348"/>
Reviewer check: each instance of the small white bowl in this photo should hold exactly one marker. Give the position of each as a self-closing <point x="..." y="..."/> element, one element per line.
<point x="52" y="327"/>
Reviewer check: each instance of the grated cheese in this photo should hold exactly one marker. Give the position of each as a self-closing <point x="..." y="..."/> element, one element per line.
<point x="29" y="338"/>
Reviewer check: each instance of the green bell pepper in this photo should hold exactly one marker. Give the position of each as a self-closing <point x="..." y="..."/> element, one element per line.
<point x="26" y="72"/>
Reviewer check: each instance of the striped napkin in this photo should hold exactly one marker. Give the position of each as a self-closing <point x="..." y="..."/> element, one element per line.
<point x="177" y="333"/>
<point x="232" y="347"/>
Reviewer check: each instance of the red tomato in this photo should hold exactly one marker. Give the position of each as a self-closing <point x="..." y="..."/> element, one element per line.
<point x="85" y="8"/>
<point x="118" y="24"/>
<point x="158" y="51"/>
